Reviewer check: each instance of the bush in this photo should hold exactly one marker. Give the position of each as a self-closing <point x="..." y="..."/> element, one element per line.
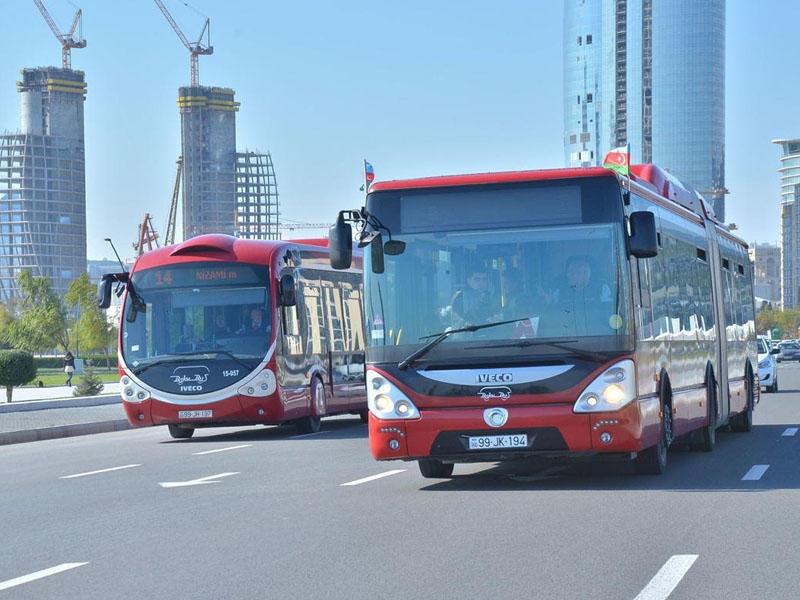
<point x="89" y="384"/>
<point x="16" y="368"/>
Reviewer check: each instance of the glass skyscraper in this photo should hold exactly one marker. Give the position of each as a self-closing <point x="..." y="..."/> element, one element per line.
<point x="790" y="219"/>
<point x="652" y="75"/>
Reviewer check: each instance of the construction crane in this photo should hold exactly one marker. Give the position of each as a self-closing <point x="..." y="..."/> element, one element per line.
<point x="195" y="49"/>
<point x="292" y="226"/>
<point x="169" y="237"/>
<point x="147" y="236"/>
<point x="68" y="41"/>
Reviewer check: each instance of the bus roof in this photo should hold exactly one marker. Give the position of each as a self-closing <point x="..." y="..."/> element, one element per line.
<point x="223" y="248"/>
<point x="648" y="176"/>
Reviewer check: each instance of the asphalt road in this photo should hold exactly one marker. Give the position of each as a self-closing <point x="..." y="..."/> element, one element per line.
<point x="265" y="513"/>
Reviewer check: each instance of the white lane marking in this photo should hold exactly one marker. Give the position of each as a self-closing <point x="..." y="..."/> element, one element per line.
<point x="790" y="432"/>
<point x="98" y="471"/>
<point x="373" y="477"/>
<point x="4" y="585"/>
<point x="755" y="473"/>
<point x="667" y="578"/>
<point x="201" y="481"/>
<point x="222" y="449"/>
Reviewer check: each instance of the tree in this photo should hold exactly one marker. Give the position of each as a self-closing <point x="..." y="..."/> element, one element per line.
<point x="42" y="322"/>
<point x="89" y="323"/>
<point x="16" y="368"/>
<point x="90" y="384"/>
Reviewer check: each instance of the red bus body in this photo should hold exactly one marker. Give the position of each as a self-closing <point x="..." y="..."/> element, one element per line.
<point x="304" y="362"/>
<point x="671" y="355"/>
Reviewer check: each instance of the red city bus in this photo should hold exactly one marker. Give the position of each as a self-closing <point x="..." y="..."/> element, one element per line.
<point x="220" y="331"/>
<point x="565" y="312"/>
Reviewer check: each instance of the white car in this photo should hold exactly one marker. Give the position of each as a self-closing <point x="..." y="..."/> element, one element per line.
<point x="767" y="371"/>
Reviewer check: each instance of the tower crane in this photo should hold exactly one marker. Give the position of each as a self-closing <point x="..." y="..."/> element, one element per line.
<point x="68" y="41"/>
<point x="169" y="237"/>
<point x="195" y="49"/>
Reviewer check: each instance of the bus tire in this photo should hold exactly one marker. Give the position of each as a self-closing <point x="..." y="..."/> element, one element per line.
<point x="708" y="434"/>
<point x="744" y="420"/>
<point x="180" y="433"/>
<point x="319" y="406"/>
<point x="653" y="460"/>
<point x="363" y="414"/>
<point x="433" y="468"/>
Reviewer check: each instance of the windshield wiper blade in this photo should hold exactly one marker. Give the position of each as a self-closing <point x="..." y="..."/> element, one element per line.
<point x="440" y="337"/>
<point x="560" y="344"/>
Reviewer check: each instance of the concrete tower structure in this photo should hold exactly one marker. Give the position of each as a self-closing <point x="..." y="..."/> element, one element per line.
<point x="224" y="191"/>
<point x="43" y="182"/>
<point x="651" y="74"/>
<point x="208" y="143"/>
<point x="790" y="222"/>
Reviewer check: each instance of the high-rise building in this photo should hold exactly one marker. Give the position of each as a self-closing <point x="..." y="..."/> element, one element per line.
<point x="224" y="191"/>
<point x="43" y="182"/>
<point x="208" y="143"/>
<point x="790" y="221"/>
<point x="766" y="260"/>
<point x="652" y="75"/>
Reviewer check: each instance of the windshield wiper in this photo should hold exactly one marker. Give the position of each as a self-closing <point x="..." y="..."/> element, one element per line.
<point x="440" y="337"/>
<point x="179" y="355"/>
<point x="560" y="344"/>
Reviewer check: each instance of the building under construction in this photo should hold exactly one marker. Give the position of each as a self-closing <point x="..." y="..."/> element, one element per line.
<point x="224" y="191"/>
<point x="43" y="182"/>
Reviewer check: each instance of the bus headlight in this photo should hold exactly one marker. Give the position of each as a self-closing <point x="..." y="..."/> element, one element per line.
<point x="611" y="390"/>
<point x="386" y="401"/>
<point x="131" y="392"/>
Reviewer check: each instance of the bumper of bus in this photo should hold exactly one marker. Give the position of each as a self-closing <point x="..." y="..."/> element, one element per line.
<point x="236" y="410"/>
<point x="550" y="430"/>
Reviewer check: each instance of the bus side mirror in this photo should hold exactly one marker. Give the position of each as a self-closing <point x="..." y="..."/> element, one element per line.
<point x="642" y="237"/>
<point x="340" y="244"/>
<point x="376" y="247"/>
<point x="104" y="293"/>
<point x="287" y="291"/>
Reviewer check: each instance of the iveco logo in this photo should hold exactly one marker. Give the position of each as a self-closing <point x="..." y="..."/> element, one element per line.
<point x="495" y="393"/>
<point x="495" y="417"/>
<point x="494" y="378"/>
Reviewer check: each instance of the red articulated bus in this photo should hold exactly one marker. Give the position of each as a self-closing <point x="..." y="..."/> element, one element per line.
<point x="220" y="331"/>
<point x="564" y="312"/>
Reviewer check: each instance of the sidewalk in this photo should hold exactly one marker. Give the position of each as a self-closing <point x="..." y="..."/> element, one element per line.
<point x="53" y="412"/>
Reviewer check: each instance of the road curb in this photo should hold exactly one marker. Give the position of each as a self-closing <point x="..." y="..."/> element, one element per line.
<point x="61" y="431"/>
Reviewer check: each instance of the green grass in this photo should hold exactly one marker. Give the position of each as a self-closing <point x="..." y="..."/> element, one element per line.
<point x="57" y="377"/>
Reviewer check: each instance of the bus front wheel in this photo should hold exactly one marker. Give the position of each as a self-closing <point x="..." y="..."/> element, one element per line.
<point x="434" y="468"/>
<point x="653" y="461"/>
<point x="180" y="433"/>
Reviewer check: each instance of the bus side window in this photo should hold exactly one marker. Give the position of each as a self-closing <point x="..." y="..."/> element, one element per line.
<point x="292" y="338"/>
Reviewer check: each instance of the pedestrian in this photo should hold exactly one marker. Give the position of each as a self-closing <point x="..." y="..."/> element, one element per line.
<point x="69" y="366"/>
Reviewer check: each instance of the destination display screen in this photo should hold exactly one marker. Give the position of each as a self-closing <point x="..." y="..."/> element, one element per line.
<point x="200" y="275"/>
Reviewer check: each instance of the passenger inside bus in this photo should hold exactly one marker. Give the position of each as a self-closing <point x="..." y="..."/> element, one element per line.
<point x="254" y="324"/>
<point x="580" y="303"/>
<point x="472" y="304"/>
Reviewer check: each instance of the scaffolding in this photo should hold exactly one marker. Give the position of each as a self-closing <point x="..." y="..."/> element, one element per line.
<point x="257" y="209"/>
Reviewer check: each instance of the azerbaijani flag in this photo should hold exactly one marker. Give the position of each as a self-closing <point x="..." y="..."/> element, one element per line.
<point x="369" y="173"/>
<point x="619" y="160"/>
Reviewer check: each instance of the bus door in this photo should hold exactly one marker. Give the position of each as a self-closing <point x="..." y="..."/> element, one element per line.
<point x="720" y="366"/>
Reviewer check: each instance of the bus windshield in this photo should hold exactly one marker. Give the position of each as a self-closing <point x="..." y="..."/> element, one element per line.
<point x="549" y="278"/>
<point x="197" y="309"/>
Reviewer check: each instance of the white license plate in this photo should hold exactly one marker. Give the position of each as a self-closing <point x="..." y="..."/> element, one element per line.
<point x="195" y="414"/>
<point x="497" y="442"/>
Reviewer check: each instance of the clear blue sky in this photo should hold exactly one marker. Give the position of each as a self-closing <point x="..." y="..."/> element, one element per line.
<point x="420" y="87"/>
